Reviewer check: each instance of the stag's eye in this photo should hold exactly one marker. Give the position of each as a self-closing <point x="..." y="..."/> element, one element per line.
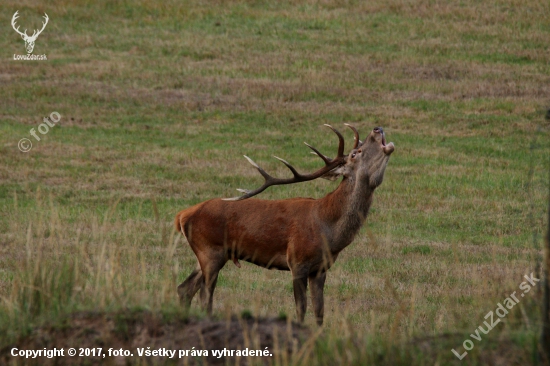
<point x="353" y="155"/>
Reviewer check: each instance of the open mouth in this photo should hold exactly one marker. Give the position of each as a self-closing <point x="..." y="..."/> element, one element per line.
<point x="388" y="149"/>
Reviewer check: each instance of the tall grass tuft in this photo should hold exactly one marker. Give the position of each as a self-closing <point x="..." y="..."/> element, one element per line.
<point x="96" y="265"/>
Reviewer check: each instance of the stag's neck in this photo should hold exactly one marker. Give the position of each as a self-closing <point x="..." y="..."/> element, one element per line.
<point x="344" y="211"/>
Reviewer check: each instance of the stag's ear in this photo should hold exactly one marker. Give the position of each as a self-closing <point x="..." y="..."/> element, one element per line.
<point x="334" y="173"/>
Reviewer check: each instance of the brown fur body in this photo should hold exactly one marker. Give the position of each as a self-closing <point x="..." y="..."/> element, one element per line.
<point x="266" y="232"/>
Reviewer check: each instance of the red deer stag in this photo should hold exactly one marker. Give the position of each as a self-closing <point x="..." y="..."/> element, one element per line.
<point x="301" y="235"/>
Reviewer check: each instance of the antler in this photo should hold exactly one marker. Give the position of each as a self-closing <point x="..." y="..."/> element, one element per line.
<point x="37" y="33"/>
<point x="24" y="34"/>
<point x="271" y="181"/>
<point x="13" y="19"/>
<point x="356" y="143"/>
<point x="355" y="137"/>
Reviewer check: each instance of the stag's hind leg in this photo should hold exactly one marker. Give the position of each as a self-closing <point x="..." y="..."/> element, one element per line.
<point x="210" y="269"/>
<point x="188" y="288"/>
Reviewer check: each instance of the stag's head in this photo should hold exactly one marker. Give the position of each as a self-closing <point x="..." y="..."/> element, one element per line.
<point x="372" y="157"/>
<point x="367" y="160"/>
<point x="29" y="40"/>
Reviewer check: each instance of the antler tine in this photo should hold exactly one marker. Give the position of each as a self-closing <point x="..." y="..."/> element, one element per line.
<point x="326" y="157"/>
<point x="341" y="141"/>
<point x="356" y="136"/>
<point x="294" y="172"/>
<point x="316" y="152"/>
<point x="262" y="172"/>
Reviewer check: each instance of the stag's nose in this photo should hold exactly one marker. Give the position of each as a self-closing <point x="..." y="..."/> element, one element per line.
<point x="378" y="130"/>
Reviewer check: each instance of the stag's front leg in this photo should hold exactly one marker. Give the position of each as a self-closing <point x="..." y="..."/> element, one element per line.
<point x="317" y="284"/>
<point x="300" y="296"/>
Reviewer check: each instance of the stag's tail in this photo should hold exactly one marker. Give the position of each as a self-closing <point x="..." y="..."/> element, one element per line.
<point x="181" y="219"/>
<point x="177" y="222"/>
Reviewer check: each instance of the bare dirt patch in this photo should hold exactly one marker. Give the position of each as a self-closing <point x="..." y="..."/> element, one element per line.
<point x="144" y="329"/>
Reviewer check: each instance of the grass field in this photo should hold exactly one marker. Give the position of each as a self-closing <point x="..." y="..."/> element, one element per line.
<point x="159" y="101"/>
